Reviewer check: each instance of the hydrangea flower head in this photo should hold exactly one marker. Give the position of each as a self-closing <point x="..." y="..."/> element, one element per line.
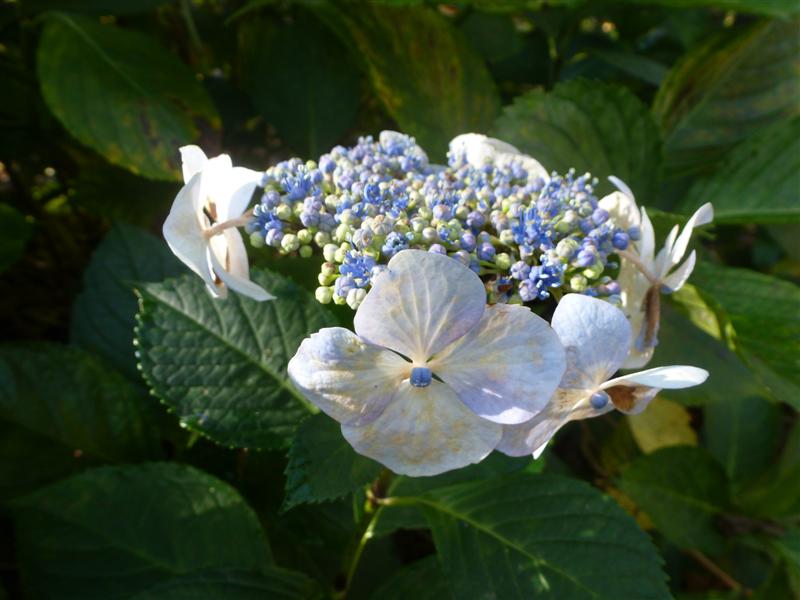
<point x="644" y="275"/>
<point x="201" y="226"/>
<point x="595" y="335"/>
<point x="431" y="374"/>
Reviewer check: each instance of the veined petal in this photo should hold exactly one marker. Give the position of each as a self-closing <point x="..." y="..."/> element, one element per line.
<point x="425" y="431"/>
<point x="595" y="335"/>
<point x="702" y="216"/>
<point x="662" y="261"/>
<point x="478" y="150"/>
<point x="230" y="264"/>
<point x="675" y="280"/>
<point x="621" y="206"/>
<point x="622" y="187"/>
<point x="644" y="329"/>
<point x="632" y="393"/>
<point x="532" y="437"/>
<point x="193" y="159"/>
<point x="505" y="368"/>
<point x="236" y="193"/>
<point x="647" y="243"/>
<point x="345" y="377"/>
<point x="422" y="303"/>
<point x="183" y="230"/>
<point x="213" y="186"/>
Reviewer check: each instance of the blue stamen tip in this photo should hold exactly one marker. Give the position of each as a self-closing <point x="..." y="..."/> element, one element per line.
<point x="421" y="377"/>
<point x="599" y="400"/>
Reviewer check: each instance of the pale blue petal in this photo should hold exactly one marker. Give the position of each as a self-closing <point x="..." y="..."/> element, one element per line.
<point x="507" y="367"/>
<point x="345" y="377"/>
<point x="596" y="336"/>
<point x="425" y="431"/>
<point x="420" y="304"/>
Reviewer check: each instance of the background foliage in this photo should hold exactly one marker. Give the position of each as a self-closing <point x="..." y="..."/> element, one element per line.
<point x="153" y="448"/>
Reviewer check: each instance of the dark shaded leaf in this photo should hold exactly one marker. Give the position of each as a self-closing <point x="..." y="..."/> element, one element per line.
<point x="725" y="90"/>
<point x="681" y="489"/>
<point x="234" y="584"/>
<point x="116" y="531"/>
<point x="220" y="365"/>
<point x="590" y="126"/>
<point x="433" y="100"/>
<point x="757" y="182"/>
<point x="121" y="94"/>
<point x="15" y="231"/>
<point x="301" y="80"/>
<point x="524" y="536"/>
<point x="104" y="314"/>
<point x="322" y="465"/>
<point x="62" y="410"/>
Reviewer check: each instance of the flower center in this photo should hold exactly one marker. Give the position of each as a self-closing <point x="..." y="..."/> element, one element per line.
<point x="599" y="400"/>
<point x="421" y="377"/>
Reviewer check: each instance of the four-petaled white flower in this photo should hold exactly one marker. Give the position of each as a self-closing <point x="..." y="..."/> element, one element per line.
<point x="479" y="150"/>
<point x="643" y="274"/>
<point x="595" y="335"/>
<point x="201" y="226"/>
<point x="432" y="374"/>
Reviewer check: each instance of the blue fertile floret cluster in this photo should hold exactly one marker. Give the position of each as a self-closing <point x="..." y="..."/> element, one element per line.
<point x="525" y="236"/>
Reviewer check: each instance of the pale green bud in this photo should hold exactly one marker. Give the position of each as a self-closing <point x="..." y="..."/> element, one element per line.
<point x="503" y="261"/>
<point x="338" y="300"/>
<point x="304" y="236"/>
<point x="290" y="243"/>
<point x="257" y="240"/>
<point x="328" y="251"/>
<point x="306" y="251"/>
<point x="594" y="271"/>
<point x="321" y="238"/>
<point x="355" y="297"/>
<point x="578" y="283"/>
<point x="340" y="255"/>
<point x="341" y="234"/>
<point x="283" y="212"/>
<point x="507" y="237"/>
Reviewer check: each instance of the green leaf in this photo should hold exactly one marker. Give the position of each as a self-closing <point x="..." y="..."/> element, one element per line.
<point x="96" y="7"/>
<point x="662" y="425"/>
<point x="682" y="341"/>
<point x="234" y="584"/>
<point x="15" y="231"/>
<point x="420" y="580"/>
<point x="524" y="536"/>
<point x="62" y="410"/>
<point x="104" y="314"/>
<point x="591" y="126"/>
<point x="742" y="432"/>
<point x="788" y="548"/>
<point x="765" y="321"/>
<point x="410" y="517"/>
<point x="221" y="364"/>
<point x="725" y="90"/>
<point x="121" y="94"/>
<point x="301" y="79"/>
<point x="681" y="489"/>
<point x="775" y="8"/>
<point x="433" y="100"/>
<point x="115" y="531"/>
<point x="322" y="465"/>
<point x="757" y="182"/>
<point x="776" y="494"/>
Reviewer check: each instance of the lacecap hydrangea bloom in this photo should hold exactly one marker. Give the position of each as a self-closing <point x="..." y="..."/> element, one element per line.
<point x="596" y="337"/>
<point x="433" y="379"/>
<point x="525" y="232"/>
<point x="432" y="374"/>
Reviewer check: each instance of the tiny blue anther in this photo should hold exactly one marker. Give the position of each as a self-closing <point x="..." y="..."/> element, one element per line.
<point x="599" y="400"/>
<point x="421" y="377"/>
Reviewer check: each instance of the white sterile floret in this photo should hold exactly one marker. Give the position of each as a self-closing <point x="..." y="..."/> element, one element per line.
<point x="644" y="275"/>
<point x="431" y="374"/>
<point x="595" y="335"/>
<point x="201" y="226"/>
<point x="479" y="150"/>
